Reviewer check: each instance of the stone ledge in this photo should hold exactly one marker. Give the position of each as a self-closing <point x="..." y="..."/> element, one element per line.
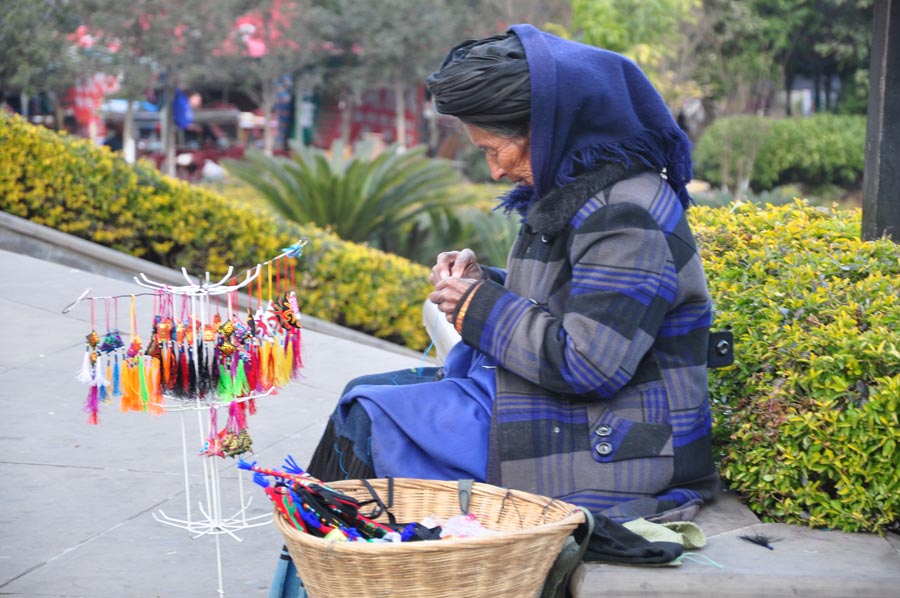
<point x="802" y="562"/>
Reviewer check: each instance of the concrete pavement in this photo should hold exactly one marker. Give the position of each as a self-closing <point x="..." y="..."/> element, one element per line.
<point x="77" y="502"/>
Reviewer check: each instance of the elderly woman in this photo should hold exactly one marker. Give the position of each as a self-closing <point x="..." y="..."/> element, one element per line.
<point x="582" y="371"/>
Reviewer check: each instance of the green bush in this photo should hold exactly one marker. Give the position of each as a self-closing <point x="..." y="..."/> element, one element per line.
<point x="73" y="186"/>
<point x="824" y="149"/>
<point x="806" y="421"/>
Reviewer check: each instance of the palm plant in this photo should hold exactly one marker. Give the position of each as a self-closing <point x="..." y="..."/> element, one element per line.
<point x="366" y="197"/>
<point x="495" y="232"/>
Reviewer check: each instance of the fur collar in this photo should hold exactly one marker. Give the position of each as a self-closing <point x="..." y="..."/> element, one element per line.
<point x="551" y="214"/>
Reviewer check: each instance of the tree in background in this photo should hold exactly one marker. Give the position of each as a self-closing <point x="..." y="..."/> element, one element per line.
<point x="276" y="42"/>
<point x="647" y="31"/>
<point x="399" y="42"/>
<point x="36" y="55"/>
<point x="749" y="50"/>
<point x="164" y="46"/>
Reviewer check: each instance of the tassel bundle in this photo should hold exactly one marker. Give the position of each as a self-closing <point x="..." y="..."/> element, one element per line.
<point x="201" y="354"/>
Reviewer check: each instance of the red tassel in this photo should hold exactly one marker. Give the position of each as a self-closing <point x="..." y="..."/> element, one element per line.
<point x="185" y="373"/>
<point x="173" y="369"/>
<point x="251" y="369"/>
<point x="251" y="406"/>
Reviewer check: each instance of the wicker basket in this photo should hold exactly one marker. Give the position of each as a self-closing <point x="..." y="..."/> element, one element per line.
<point x="512" y="563"/>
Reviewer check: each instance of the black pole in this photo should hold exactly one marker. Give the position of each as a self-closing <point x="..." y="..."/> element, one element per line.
<point x="881" y="180"/>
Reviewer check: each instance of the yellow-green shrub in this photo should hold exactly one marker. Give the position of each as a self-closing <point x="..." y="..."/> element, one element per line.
<point x="806" y="421"/>
<point x="73" y="186"/>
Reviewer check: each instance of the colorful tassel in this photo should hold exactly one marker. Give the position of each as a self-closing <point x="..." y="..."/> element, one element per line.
<point x="86" y="373"/>
<point x="143" y="384"/>
<point x="165" y="360"/>
<point x="99" y="377"/>
<point x="298" y="360"/>
<point x="241" y="384"/>
<point x="116" y="379"/>
<point x="280" y="376"/>
<point x="156" y="405"/>
<point x="131" y="391"/>
<point x="184" y="374"/>
<point x="225" y="387"/>
<point x="92" y="406"/>
<point x="192" y="374"/>
<point x="252" y="370"/>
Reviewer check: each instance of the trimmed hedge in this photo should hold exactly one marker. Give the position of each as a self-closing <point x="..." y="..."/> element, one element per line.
<point x="806" y="421"/>
<point x="823" y="149"/>
<point x="73" y="186"/>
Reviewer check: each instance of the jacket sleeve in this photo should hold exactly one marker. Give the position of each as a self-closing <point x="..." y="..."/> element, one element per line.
<point x="494" y="273"/>
<point x="623" y="282"/>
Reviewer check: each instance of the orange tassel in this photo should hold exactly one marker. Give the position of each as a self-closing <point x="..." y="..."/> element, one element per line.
<point x="156" y="403"/>
<point x="131" y="391"/>
<point x="165" y="358"/>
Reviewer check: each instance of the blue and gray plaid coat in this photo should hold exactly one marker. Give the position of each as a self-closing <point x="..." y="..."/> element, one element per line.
<point x="600" y="328"/>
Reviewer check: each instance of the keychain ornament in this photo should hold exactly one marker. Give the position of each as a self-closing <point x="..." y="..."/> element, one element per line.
<point x="198" y="357"/>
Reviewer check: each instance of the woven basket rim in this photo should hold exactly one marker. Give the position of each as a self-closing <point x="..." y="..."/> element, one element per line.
<point x="498" y="537"/>
<point x="573" y="517"/>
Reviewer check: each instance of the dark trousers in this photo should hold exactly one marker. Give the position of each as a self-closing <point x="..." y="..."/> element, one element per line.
<point x="342" y="454"/>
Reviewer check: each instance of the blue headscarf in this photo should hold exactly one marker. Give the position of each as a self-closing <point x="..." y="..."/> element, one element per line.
<point x="591" y="106"/>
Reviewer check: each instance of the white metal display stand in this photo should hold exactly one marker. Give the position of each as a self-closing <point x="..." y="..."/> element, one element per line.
<point x="210" y="517"/>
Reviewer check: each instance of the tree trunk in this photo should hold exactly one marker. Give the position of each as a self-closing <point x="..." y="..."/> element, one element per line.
<point x="23" y="105"/>
<point x="128" y="143"/>
<point x="817" y="90"/>
<point x="268" y="103"/>
<point x="880" y="209"/>
<point x="299" y="97"/>
<point x="788" y="84"/>
<point x="167" y="122"/>
<point x="347" y="118"/>
<point x="400" y="112"/>
<point x="433" y="132"/>
<point x="59" y="115"/>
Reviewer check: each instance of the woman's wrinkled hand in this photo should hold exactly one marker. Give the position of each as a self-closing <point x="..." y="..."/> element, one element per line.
<point x="456" y="264"/>
<point x="448" y="292"/>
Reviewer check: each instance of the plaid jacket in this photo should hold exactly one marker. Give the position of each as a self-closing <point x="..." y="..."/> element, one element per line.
<point x="600" y="330"/>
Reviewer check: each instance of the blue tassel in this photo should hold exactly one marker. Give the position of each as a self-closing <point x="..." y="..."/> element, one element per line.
<point x="352" y="534"/>
<point x="290" y="466"/>
<point x="408" y="532"/>
<point x="260" y="479"/>
<point x="116" y="381"/>
<point x="244" y="465"/>
<point x="310" y="518"/>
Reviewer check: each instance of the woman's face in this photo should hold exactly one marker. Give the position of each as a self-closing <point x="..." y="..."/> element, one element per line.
<point x="508" y="157"/>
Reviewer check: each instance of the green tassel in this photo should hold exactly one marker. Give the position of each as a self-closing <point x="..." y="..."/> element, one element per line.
<point x="145" y="391"/>
<point x="225" y="389"/>
<point x="241" y="385"/>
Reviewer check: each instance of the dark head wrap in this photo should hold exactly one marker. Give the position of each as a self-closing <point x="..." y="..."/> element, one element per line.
<point x="485" y="83"/>
<point x="589" y="107"/>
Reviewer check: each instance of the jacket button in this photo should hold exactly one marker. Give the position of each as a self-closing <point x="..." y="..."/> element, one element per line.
<point x="603" y="430"/>
<point x="603" y="449"/>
